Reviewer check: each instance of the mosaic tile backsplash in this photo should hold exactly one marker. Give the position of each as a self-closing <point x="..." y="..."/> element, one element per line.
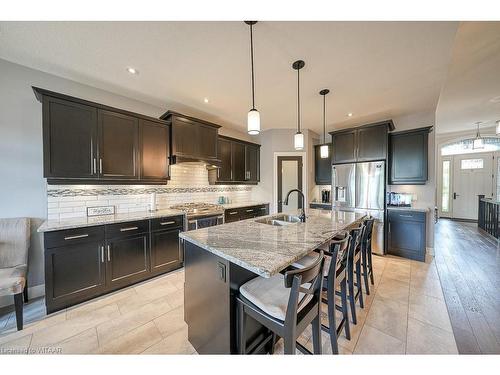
<point x="189" y="183"/>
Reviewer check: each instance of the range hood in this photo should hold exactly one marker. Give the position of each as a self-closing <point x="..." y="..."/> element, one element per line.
<point x="192" y="140"/>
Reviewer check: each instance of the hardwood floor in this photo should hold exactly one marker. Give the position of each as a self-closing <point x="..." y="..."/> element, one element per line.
<point x="468" y="262"/>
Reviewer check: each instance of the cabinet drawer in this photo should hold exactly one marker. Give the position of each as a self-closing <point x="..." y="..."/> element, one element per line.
<point x="127" y="228"/>
<point x="170" y="222"/>
<point x="261" y="210"/>
<point x="232" y="215"/>
<point x="406" y="215"/>
<point x="74" y="236"/>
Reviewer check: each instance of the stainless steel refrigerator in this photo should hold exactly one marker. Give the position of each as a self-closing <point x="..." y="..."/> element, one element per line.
<point x="361" y="187"/>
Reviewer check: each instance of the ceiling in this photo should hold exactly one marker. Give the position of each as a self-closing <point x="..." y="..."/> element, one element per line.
<point x="376" y="70"/>
<point x="472" y="89"/>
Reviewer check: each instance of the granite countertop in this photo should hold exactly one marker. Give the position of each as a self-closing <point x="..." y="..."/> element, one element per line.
<point x="266" y="249"/>
<point x="229" y="206"/>
<point x="413" y="208"/>
<point x="53" y="225"/>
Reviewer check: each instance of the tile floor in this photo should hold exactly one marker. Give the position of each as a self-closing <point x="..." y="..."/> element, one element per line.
<point x="404" y="313"/>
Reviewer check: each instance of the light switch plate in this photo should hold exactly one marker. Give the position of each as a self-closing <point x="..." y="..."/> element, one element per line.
<point x="100" y="210"/>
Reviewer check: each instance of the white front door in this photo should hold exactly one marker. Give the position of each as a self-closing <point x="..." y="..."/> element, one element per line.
<point x="472" y="175"/>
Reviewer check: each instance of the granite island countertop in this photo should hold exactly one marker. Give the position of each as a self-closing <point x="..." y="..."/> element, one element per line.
<point x="80" y="222"/>
<point x="266" y="249"/>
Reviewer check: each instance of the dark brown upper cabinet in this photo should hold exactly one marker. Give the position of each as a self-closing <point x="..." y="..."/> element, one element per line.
<point x="252" y="162"/>
<point x="408" y="157"/>
<point x="118" y="145"/>
<point x="87" y="142"/>
<point x="69" y="139"/>
<point x="224" y="173"/>
<point x="154" y="139"/>
<point x="240" y="161"/>
<point x="192" y="139"/>
<point x="322" y="167"/>
<point x="364" y="143"/>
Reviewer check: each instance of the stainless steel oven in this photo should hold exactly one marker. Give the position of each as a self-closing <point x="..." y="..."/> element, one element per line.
<point x="205" y="222"/>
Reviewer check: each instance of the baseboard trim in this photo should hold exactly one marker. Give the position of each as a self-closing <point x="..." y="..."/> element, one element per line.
<point x="33" y="292"/>
<point x="429" y="250"/>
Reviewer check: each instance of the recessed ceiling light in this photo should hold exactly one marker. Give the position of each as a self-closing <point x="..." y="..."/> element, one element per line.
<point x="205" y="100"/>
<point x="132" y="70"/>
<point x="349" y="114"/>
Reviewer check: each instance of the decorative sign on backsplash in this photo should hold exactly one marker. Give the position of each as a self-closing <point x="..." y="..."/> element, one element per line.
<point x="101" y="210"/>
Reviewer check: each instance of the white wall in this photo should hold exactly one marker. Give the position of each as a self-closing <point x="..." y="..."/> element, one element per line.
<point x="426" y="194"/>
<point x="23" y="191"/>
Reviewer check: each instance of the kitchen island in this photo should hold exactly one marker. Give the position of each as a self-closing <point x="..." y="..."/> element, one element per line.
<point x="218" y="260"/>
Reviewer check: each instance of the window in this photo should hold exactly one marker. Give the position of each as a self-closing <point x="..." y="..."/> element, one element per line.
<point x="471" y="164"/>
<point x="465" y="146"/>
<point x="445" y="196"/>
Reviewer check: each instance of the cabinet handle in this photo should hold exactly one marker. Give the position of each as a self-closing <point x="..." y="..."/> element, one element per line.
<point x="102" y="254"/>
<point x="167" y="223"/>
<point x="127" y="229"/>
<point x="405" y="215"/>
<point x="75" y="237"/>
<point x="109" y="253"/>
<point x="95" y="165"/>
<point x="233" y="213"/>
<point x="389" y="227"/>
<point x="263" y="208"/>
<point x="100" y="165"/>
<point x="249" y="210"/>
<point x="218" y="172"/>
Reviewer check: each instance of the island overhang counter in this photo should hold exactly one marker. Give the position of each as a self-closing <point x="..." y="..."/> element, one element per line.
<point x="218" y="260"/>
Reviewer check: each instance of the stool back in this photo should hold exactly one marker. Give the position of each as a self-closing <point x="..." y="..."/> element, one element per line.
<point x="339" y="247"/>
<point x="306" y="285"/>
<point x="366" y="242"/>
<point x="355" y="245"/>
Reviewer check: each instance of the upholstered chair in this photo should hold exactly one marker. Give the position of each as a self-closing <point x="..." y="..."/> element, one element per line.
<point x="14" y="245"/>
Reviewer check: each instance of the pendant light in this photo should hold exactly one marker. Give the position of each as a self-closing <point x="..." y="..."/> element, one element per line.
<point x="253" y="120"/>
<point x="298" y="140"/>
<point x="498" y="127"/>
<point x="324" y="148"/>
<point x="478" y="142"/>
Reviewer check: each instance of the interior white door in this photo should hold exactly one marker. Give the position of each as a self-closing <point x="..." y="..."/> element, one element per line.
<point x="472" y="175"/>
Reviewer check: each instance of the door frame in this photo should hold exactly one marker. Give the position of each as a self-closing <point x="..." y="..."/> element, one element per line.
<point x="452" y="158"/>
<point x="273" y="206"/>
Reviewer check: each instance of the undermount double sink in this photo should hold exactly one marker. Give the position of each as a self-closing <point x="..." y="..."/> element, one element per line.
<point x="279" y="220"/>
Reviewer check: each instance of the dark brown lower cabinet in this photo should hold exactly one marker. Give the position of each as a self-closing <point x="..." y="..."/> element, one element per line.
<point x="83" y="263"/>
<point x="127" y="260"/>
<point x="74" y="272"/>
<point x="242" y="213"/>
<point x="166" y="254"/>
<point x="407" y="234"/>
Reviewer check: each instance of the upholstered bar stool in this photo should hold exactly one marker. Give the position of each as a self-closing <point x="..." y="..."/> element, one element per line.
<point x="285" y="304"/>
<point x="335" y="284"/>
<point x="354" y="269"/>
<point x="366" y="254"/>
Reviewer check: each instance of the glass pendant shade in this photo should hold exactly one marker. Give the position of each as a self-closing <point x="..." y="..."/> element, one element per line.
<point x="498" y="128"/>
<point x="253" y="123"/>
<point x="478" y="143"/>
<point x="323" y="151"/>
<point x="298" y="141"/>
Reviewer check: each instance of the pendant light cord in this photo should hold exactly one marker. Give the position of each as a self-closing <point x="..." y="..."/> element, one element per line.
<point x="298" y="100"/>
<point x="324" y="118"/>
<point x="253" y="79"/>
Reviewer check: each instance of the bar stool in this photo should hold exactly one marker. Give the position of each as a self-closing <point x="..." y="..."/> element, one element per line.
<point x="366" y="254"/>
<point x="354" y="268"/>
<point x="335" y="277"/>
<point x="285" y="304"/>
